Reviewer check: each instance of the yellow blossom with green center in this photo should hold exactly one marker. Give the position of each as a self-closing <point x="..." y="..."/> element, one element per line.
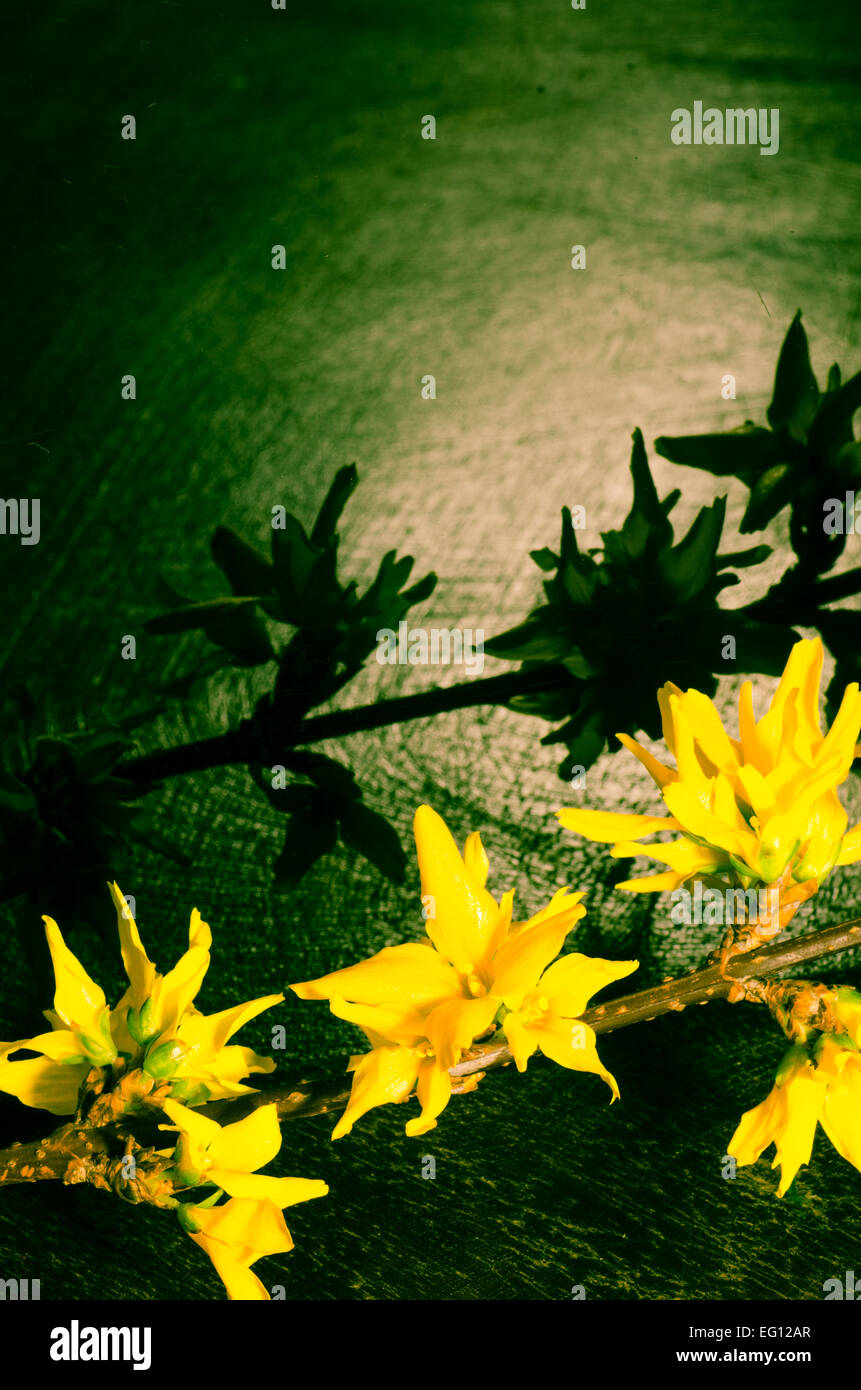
<point x="820" y="1088"/>
<point x="421" y="1004"/>
<point x="229" y="1156"/>
<point x="752" y="809"/>
<point x="154" y="1026"/>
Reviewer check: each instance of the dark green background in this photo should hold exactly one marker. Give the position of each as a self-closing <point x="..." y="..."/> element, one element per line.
<point x="407" y="257"/>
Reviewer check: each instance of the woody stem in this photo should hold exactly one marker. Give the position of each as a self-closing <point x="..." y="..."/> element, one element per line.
<point x="63" y="1155"/>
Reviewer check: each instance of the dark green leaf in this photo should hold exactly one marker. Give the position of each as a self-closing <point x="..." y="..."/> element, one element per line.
<point x="687" y="568"/>
<point x="545" y="559"/>
<point x="770" y="494"/>
<point x="245" y="570"/>
<point x="742" y="559"/>
<point x="309" y="837"/>
<point x="196" y="615"/>
<point x="343" y="485"/>
<point x="371" y="834"/>
<point x="744" y="453"/>
<point x="796" y="392"/>
<point x="833" y="424"/>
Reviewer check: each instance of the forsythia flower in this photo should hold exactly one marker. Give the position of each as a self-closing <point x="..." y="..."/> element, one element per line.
<point x="753" y="808"/>
<point x="824" y="1089"/>
<point x="249" y="1225"/>
<point x="154" y="1026"/>
<point x="421" y="1004"/>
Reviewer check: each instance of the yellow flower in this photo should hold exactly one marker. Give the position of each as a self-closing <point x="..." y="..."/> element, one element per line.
<point x="824" y="1089"/>
<point x="422" y="1004"/>
<point x="751" y="809"/>
<point x="229" y="1157"/>
<point x="548" y="1016"/>
<point x="240" y="1231"/>
<point x="235" y="1235"/>
<point x="155" y="1026"/>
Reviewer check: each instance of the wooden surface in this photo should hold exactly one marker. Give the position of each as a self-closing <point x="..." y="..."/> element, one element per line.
<point x="407" y="257"/>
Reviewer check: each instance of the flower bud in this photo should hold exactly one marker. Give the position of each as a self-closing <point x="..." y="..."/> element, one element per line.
<point x="162" y="1061"/>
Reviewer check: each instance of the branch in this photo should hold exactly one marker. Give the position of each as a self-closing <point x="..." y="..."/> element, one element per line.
<point x="64" y="1154"/>
<point x="251" y="742"/>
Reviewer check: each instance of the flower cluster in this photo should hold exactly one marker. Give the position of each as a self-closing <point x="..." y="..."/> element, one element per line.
<point x="249" y="1225"/>
<point x="761" y="808"/>
<point x="155" y="1027"/>
<point x="820" y="1084"/>
<point x="421" y="1004"/>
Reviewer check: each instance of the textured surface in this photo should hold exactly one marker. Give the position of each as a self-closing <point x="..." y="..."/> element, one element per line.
<point x="407" y="257"/>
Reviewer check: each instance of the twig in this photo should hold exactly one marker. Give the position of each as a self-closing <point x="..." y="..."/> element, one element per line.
<point x="63" y="1154"/>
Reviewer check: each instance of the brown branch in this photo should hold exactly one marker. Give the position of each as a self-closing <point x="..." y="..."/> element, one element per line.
<point x="62" y="1155"/>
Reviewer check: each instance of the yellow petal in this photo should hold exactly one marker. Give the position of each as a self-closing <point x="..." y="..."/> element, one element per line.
<point x="176" y="990"/>
<point x="572" y="1045"/>
<point x="207" y="1034"/>
<point x="657" y="771"/>
<point x="248" y="1144"/>
<point x="707" y="727"/>
<point x="452" y="1026"/>
<point x="385" y="1075"/>
<point x="841" y="1112"/>
<point x="752" y="750"/>
<point x="607" y="826"/>
<point x="465" y="913"/>
<point x="282" y="1192"/>
<point x="404" y="1025"/>
<point x="519" y="962"/>
<point x="850" y="850"/>
<point x="222" y="1076"/>
<point x="78" y="1000"/>
<point x="43" y="1084"/>
<point x="434" y="1091"/>
<point x="571" y="982"/>
<point x="241" y="1283"/>
<point x="683" y="856"/>
<point x="250" y="1229"/>
<point x="200" y="1128"/>
<point x="521" y="1039"/>
<point x="138" y="967"/>
<point x="59" y="1045"/>
<point x="475" y="860"/>
<point x="413" y="974"/>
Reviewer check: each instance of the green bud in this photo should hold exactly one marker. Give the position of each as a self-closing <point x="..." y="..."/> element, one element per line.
<point x="101" y="1050"/>
<point x="142" y="1024"/>
<point x="162" y="1061"/>
<point x="189" y="1092"/>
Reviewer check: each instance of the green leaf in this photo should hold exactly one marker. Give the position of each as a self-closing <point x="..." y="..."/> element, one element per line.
<point x="796" y="392"/>
<point x="532" y="640"/>
<point x="688" y="567"/>
<point x="833" y="424"/>
<point x="246" y="572"/>
<point x="743" y="559"/>
<point x="196" y="615"/>
<point x="345" y="482"/>
<point x="371" y="834"/>
<point x="545" y="559"/>
<point x="743" y="453"/>
<point x="309" y="837"/>
<point x="329" y="775"/>
<point x="771" y="493"/>
<point x="647" y="520"/>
